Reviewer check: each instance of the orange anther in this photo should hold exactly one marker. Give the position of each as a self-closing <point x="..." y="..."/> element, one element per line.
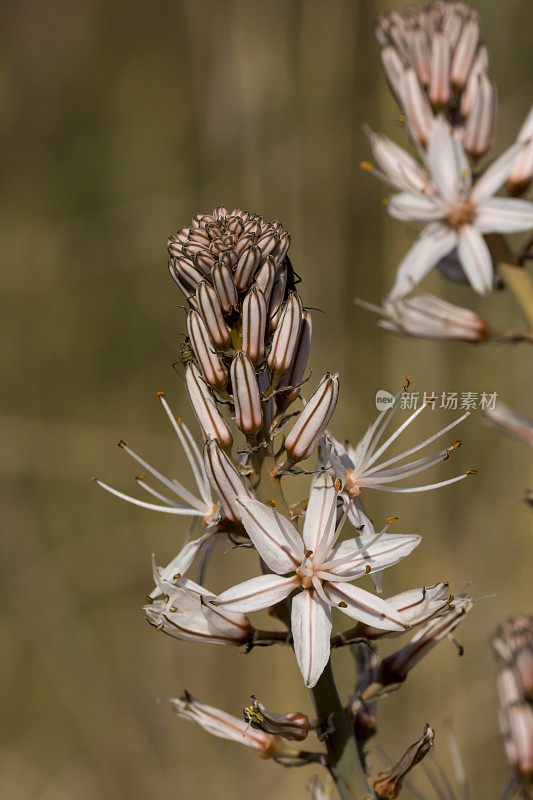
<point x="159" y="395"/>
<point x="338" y="484"/>
<point x="120" y="443"/>
<point x="457" y="444"/>
<point x="366" y="165"/>
<point x="342" y="604"/>
<point x="94" y="478"/>
<point x="471" y="472"/>
<point x="391" y="520"/>
<point x="177" y="576"/>
<point x="368" y="568"/>
<point x="271" y="503"/>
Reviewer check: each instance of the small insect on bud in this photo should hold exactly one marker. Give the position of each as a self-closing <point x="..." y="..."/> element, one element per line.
<point x="246" y="266"/>
<point x="293" y="726"/>
<point x="313" y="420"/>
<point x="440" y="88"/>
<point x="248" y="411"/>
<point x="264" y="278"/>
<point x="285" y="339"/>
<point x="203" y="404"/>
<point x="225" y="479"/>
<point x="276" y="298"/>
<point x="208" y="360"/>
<point x="254" y="324"/>
<point x="294" y="377"/>
<point x="211" y="311"/>
<point x="222" y="278"/>
<point x="479" y="128"/>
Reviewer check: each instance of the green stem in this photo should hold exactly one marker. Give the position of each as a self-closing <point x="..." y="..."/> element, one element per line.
<point x="343" y="757"/>
<point x="519" y="283"/>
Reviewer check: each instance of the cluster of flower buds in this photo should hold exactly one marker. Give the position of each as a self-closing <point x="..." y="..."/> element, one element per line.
<point x="513" y="646"/>
<point x="435" y="61"/>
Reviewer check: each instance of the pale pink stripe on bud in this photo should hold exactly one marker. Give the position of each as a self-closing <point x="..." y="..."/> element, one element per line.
<point x="185" y="274"/>
<point x="516" y="722"/>
<point x="481" y="64"/>
<point x="246" y="266"/>
<point x="268" y="242"/>
<point x="285" y="339"/>
<point x="222" y="278"/>
<point x="225" y="479"/>
<point x="282" y="248"/>
<point x="479" y="127"/>
<point x="254" y="324"/>
<point x="264" y="278"/>
<point x="208" y="359"/>
<point x="276" y="298"/>
<point x="465" y="52"/>
<point x="292" y="379"/>
<point x="313" y="420"/>
<point x="417" y="108"/>
<point x="394" y="70"/>
<point x="246" y="397"/>
<point x="205" y="262"/>
<point x="293" y="726"/>
<point x="206" y="410"/>
<point x="422" y="59"/>
<point x="439" y="87"/>
<point x="211" y="311"/>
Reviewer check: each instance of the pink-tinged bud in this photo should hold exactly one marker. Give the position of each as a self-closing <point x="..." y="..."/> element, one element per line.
<point x="465" y="52"/>
<point x="479" y="127"/>
<point x="225" y="287"/>
<point x="293" y="378"/>
<point x="203" y="404"/>
<point x="416" y="607"/>
<point x="268" y="243"/>
<point x="439" y="87"/>
<point x="522" y="173"/>
<point x="221" y="212"/>
<point x="388" y="784"/>
<point x="224" y="725"/>
<point x="394" y="69"/>
<point x="417" y="108"/>
<point x="293" y="726"/>
<point x="264" y="278"/>
<point x="422" y="59"/>
<point x="396" y="667"/>
<point x="516" y="722"/>
<point x="312" y="422"/>
<point x="246" y="397"/>
<point x="513" y="644"/>
<point x="235" y="225"/>
<point x="510" y="422"/>
<point x="282" y="248"/>
<point x="204" y="262"/>
<point x="225" y="479"/>
<point x="208" y="360"/>
<point x="211" y="311"/>
<point x="276" y="298"/>
<point x="185" y="274"/>
<point x="246" y="266"/>
<point x="481" y="64"/>
<point x="285" y="339"/>
<point x="254" y="324"/>
<point x="175" y="246"/>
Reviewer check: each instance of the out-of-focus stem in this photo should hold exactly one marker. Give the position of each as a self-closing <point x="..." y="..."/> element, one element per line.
<point x="343" y="759"/>
<point x="519" y="283"/>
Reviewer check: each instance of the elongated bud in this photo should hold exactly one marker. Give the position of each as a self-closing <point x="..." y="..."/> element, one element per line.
<point x="225" y="479"/>
<point x="313" y="420"/>
<point x="208" y="360"/>
<point x="254" y="324"/>
<point x="246" y="266"/>
<point x="388" y="784"/>
<point x="479" y="127"/>
<point x="248" y="412"/>
<point x="185" y="274"/>
<point x="211" y="422"/>
<point x="276" y="298"/>
<point x="513" y="645"/>
<point x="268" y="242"/>
<point x="516" y="722"/>
<point x="416" y="607"/>
<point x="293" y="378"/>
<point x="417" y="107"/>
<point x="293" y="726"/>
<point x="522" y="173"/>
<point x="285" y="339"/>
<point x="440" y="88"/>
<point x="421" y="55"/>
<point x="281" y="249"/>
<point x="264" y="278"/>
<point x="204" y="262"/>
<point x="465" y="52"/>
<point x="394" y="69"/>
<point x="224" y="286"/>
<point x="481" y="64"/>
<point x="209" y="308"/>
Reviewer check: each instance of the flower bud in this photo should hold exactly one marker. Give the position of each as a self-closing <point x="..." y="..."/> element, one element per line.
<point x="293" y="726"/>
<point x="439" y="88"/>
<point x="421" y="55"/>
<point x="479" y="127"/>
<point x="208" y="360"/>
<point x="268" y="242"/>
<point x="224" y="286"/>
<point x="224" y="725"/>
<point x="185" y="274"/>
<point x="516" y="722"/>
<point x="276" y="298"/>
<point x="416" y="607"/>
<point x="254" y="324"/>
<point x="417" y="108"/>
<point x="209" y="308"/>
<point x="293" y="378"/>
<point x="225" y="479"/>
<point x="246" y="266"/>
<point x="481" y="64"/>
<point x="264" y="278"/>
<point x="465" y="52"/>
<point x="246" y="397"/>
<point x="313" y="420"/>
<point x="522" y="172"/>
<point x="204" y="262"/>
<point x="285" y="339"/>
<point x="203" y="404"/>
<point x="281" y="249"/>
<point x="394" y="69"/>
<point x="388" y="784"/>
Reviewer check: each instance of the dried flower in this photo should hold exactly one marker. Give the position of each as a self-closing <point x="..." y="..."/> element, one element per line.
<point x="388" y="784"/>
<point x="312" y="422"/>
<point x="458" y="212"/>
<point x="319" y="569"/>
<point x="293" y="726"/>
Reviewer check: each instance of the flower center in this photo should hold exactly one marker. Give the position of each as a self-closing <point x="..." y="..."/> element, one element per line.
<point x="306" y="570"/>
<point x="460" y="215"/>
<point x="351" y="485"/>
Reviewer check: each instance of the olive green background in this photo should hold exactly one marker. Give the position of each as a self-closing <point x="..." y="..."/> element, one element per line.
<point x="119" y="121"/>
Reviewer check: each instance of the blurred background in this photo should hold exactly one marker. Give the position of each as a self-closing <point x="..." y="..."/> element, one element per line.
<point x="119" y="121"/>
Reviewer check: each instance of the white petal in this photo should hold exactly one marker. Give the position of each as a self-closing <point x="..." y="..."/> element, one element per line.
<point x="321" y="514"/>
<point x="311" y="629"/>
<point x="504" y="215"/>
<point x="400" y="167"/>
<point x="366" y="607"/>
<point x="434" y="243"/>
<point x="496" y="175"/>
<point x="475" y="257"/>
<point x="181" y="563"/>
<point x="415" y="207"/>
<point x="276" y="540"/>
<point x="442" y="160"/>
<point x="257" y="593"/>
<point x="386" y="552"/>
